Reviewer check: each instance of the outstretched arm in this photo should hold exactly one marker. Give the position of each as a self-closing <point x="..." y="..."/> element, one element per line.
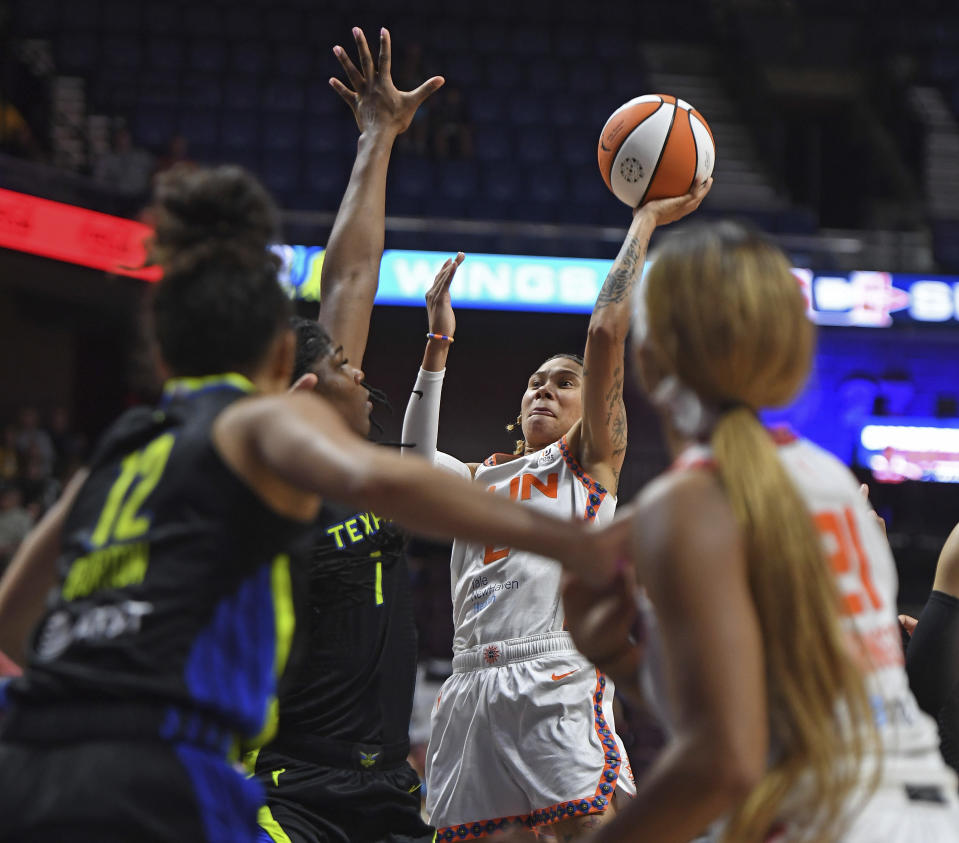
<point x="32" y="573"/>
<point x="603" y="436"/>
<point x="300" y="440"/>
<point x="421" y="422"/>
<point x="351" y="264"/>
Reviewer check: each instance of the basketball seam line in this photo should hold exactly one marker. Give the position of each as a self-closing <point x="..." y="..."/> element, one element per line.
<point x="662" y="152"/>
<point x="692" y="134"/>
<point x="619" y="149"/>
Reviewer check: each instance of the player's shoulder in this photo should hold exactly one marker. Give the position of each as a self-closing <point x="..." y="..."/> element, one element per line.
<point x="683" y="515"/>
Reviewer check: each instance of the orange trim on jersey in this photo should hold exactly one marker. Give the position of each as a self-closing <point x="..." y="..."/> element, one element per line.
<point x="499" y="459"/>
<point x="596" y="492"/>
<point x="782" y="434"/>
<point x="597" y="803"/>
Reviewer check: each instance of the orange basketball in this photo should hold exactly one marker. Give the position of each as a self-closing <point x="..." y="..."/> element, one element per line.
<point x="653" y="147"/>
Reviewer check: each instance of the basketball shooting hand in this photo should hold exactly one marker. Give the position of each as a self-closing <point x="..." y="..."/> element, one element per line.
<point x="374" y="100"/>
<point x="665" y="211"/>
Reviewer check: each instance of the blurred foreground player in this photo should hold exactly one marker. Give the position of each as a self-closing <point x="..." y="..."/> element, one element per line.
<point x="171" y="618"/>
<point x="337" y="769"/>
<point x="772" y="648"/>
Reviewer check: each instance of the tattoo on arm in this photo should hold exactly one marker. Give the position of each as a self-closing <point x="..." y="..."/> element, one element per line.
<point x="624" y="274"/>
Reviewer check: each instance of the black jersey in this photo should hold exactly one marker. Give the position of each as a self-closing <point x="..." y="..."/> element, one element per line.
<point x="175" y="582"/>
<point x="355" y="683"/>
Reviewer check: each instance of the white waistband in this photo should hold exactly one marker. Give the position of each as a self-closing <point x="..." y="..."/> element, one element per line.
<point x="500" y="653"/>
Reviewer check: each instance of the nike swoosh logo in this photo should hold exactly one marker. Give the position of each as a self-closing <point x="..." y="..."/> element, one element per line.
<point x="276" y="776"/>
<point x="564" y="675"/>
<point x="604" y="147"/>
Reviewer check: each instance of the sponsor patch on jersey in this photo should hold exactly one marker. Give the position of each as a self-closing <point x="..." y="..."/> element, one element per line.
<point x="547" y="456"/>
<point x="91" y="624"/>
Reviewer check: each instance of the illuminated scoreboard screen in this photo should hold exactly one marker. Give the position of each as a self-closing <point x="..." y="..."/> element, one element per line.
<point x="862" y="299"/>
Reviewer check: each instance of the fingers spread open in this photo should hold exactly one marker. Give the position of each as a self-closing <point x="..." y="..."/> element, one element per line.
<point x="430" y="86"/>
<point x="348" y="96"/>
<point x="355" y="77"/>
<point x="366" y="59"/>
<point x="386" y="53"/>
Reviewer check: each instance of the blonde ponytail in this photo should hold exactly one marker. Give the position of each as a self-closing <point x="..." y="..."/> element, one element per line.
<point x="810" y="673"/>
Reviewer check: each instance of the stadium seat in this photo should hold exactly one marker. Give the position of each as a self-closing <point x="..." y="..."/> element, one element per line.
<point x="75" y="16"/>
<point x="202" y="91"/>
<point x="282" y="132"/>
<point x="456" y="179"/>
<point x="249" y="57"/>
<point x="492" y="143"/>
<point x="208" y="55"/>
<point x="284" y="95"/>
<point x="281" y="172"/>
<point x="293" y="60"/>
<point x="154" y="125"/>
<point x="121" y="17"/>
<point x="240" y="129"/>
<point x="159" y="18"/>
<point x="199" y="126"/>
<point x="411" y="177"/>
<point x="502" y="71"/>
<point x="487" y="106"/>
<point x="501" y="181"/>
<point x="39" y="17"/>
<point x="77" y="52"/>
<point x="241" y="92"/>
<point x="122" y="53"/>
<point x="165" y="53"/>
<point x="535" y="144"/>
<point x="242" y="22"/>
<point x="527" y="109"/>
<point x="202" y="20"/>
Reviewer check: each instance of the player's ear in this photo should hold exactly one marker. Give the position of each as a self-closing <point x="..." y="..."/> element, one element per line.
<point x="305" y="383"/>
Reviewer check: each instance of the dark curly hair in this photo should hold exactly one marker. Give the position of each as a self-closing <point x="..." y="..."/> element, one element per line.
<point x="219" y="305"/>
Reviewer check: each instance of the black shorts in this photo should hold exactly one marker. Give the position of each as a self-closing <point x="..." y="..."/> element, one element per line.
<point x="117" y="792"/>
<point x="313" y="804"/>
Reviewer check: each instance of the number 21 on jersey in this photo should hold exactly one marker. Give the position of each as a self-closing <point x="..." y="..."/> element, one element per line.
<point x="849" y="562"/>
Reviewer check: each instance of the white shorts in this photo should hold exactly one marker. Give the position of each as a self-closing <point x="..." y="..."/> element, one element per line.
<point x="523" y="731"/>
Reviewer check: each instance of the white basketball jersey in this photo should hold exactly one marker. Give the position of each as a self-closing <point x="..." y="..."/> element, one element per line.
<point x="865" y="572"/>
<point x="501" y="593"/>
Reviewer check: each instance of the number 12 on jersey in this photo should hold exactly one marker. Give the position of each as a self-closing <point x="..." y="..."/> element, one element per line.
<point x="140" y="472"/>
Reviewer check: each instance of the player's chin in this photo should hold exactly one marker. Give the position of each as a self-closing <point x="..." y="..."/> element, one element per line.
<point x="543" y="430"/>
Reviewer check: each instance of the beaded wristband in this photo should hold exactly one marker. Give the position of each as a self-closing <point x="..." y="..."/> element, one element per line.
<point x="432" y="336"/>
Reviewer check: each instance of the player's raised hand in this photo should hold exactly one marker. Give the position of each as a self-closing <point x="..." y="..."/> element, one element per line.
<point x="664" y="211"/>
<point x="373" y="98"/>
<point x="439" y="305"/>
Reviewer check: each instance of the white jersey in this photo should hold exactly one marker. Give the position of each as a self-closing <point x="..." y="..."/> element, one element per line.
<point x="501" y="593"/>
<point x="868" y="586"/>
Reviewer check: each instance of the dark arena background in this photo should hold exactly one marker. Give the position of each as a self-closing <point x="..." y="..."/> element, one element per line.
<point x="836" y="133"/>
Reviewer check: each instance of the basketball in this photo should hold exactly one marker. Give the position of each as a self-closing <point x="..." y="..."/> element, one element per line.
<point x="653" y="147"/>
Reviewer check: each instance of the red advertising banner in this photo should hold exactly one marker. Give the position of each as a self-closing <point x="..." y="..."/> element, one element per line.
<point x="72" y="234"/>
